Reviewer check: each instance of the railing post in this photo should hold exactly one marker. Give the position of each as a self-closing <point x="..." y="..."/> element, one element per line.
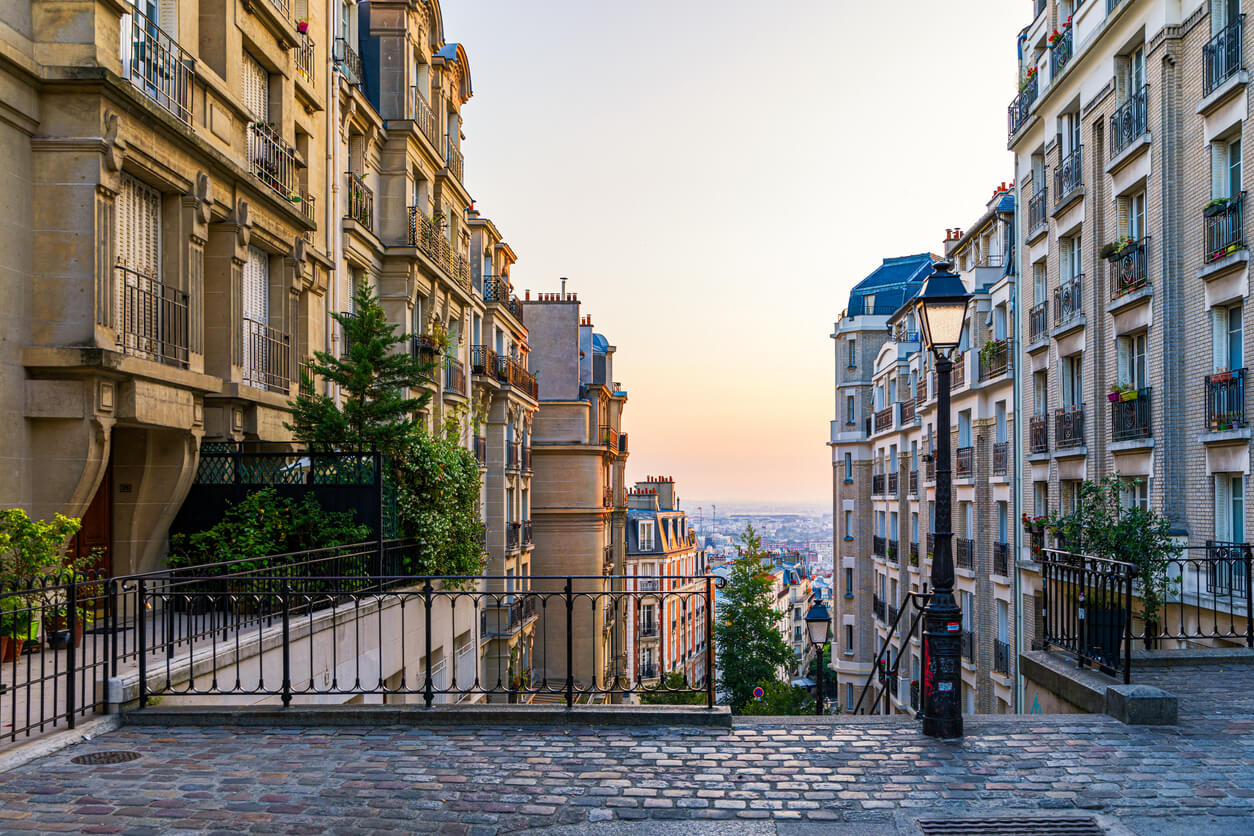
<point x="111" y="618"/>
<point x="428" y="695"/>
<point x="570" y="644"/>
<point x="287" y="643"/>
<point x="71" y="604"/>
<point x="378" y="478"/>
<point x="1082" y="639"/>
<point x="1249" y="597"/>
<point x="141" y="649"/>
<point x="1127" y="627"/>
<point x="709" y="644"/>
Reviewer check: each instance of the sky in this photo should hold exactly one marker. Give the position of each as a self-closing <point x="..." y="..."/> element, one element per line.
<point x="714" y="176"/>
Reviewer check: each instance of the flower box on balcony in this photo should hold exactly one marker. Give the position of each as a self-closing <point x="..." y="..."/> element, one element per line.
<point x="1221" y="377"/>
<point x="1113" y="397"/>
<point x="1216" y="207"/>
<point x="302" y="26"/>
<point x="1128" y="396"/>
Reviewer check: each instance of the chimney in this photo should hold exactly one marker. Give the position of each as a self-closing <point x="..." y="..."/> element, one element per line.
<point x="563" y="286"/>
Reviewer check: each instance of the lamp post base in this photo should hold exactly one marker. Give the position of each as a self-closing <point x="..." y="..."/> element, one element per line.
<point x="942" y="668"/>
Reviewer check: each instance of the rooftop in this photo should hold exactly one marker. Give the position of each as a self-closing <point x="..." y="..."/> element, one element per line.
<point x="890" y="285"/>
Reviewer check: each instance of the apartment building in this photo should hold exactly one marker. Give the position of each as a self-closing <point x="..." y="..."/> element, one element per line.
<point x="1128" y="141"/>
<point x="666" y="631"/>
<point x="885" y="473"/>
<point x="578" y="499"/>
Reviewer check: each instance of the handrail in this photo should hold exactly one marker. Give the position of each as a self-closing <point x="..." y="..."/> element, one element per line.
<point x="920" y="601"/>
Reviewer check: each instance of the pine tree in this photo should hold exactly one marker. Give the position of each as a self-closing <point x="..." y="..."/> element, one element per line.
<point x="372" y="376"/>
<point x="750" y="646"/>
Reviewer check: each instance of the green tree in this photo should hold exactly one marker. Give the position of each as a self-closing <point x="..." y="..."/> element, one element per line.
<point x="780" y="698"/>
<point x="750" y="646"/>
<point x="660" y="695"/>
<point x="373" y="377"/>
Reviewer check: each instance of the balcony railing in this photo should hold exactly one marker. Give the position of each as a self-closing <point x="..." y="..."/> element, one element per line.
<point x="648" y="671"/>
<point x="877" y="607"/>
<point x="879" y="546"/>
<point x="1130" y="420"/>
<point x="481" y="450"/>
<point x="272" y="160"/>
<point x="1069" y="426"/>
<point x="455" y="377"/>
<point x="914" y="696"/>
<point x="456" y="162"/>
<point x="428" y="237"/>
<point x="526" y="458"/>
<point x="1060" y="53"/>
<point x="890" y="551"/>
<point x="513" y="535"/>
<point x="607" y="497"/>
<point x="424" y="117"/>
<point x="1018" y="111"/>
<point x="1038" y="209"/>
<point x="284" y="8"/>
<point x="1001" y="559"/>
<point x="496" y="289"/>
<point x="649" y="629"/>
<point x="1225" y="400"/>
<point x="1038" y="434"/>
<point x="1222" y="56"/>
<point x="512" y="372"/>
<point x="1068" y="300"/>
<point x="877" y="484"/>
<point x="513" y="455"/>
<point x="303" y="57"/>
<point x="907" y="411"/>
<point x="360" y="201"/>
<point x="964" y="553"/>
<point x="914" y="482"/>
<point x="929" y="469"/>
<point x="884" y="419"/>
<point x="1069" y="175"/>
<point x="1225" y="228"/>
<point x="159" y="68"/>
<point x="153" y="322"/>
<point x="1130" y="269"/>
<point x="608" y="437"/>
<point x="349" y="62"/>
<point x="305" y="377"/>
<point x="964" y="463"/>
<point x="308" y="208"/>
<point x="931" y="544"/>
<point x="995" y="361"/>
<point x="1001" y="657"/>
<point x="266" y="357"/>
<point x="1038" y="321"/>
<point x="892" y="484"/>
<point x="1001" y="458"/>
<point x="958" y="377"/>
<point x="1129" y="121"/>
<point x="914" y="554"/>
<point x="920" y="393"/>
<point x="483" y="360"/>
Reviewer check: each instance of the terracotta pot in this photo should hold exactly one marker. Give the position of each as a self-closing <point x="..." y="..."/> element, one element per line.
<point x="10" y="648"/>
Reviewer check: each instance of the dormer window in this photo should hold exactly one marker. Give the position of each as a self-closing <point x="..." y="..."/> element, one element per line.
<point x="645" y="534"/>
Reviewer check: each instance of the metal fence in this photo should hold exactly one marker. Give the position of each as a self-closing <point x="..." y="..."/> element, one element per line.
<point x="1087" y="608"/>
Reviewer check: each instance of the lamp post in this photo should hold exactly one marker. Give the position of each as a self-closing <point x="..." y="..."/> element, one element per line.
<point x="941" y="308"/>
<point x="818" y="620"/>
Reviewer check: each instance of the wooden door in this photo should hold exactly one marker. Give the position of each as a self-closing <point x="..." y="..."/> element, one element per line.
<point x="97" y="530"/>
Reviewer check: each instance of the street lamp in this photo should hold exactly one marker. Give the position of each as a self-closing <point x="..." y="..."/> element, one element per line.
<point x="941" y="308"/>
<point x="818" y="620"/>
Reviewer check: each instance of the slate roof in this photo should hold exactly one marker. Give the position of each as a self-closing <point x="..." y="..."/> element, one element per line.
<point x="891" y="285"/>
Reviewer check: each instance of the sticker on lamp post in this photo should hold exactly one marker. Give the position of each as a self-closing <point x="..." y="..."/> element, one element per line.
<point x="944" y="686"/>
<point x="953" y="626"/>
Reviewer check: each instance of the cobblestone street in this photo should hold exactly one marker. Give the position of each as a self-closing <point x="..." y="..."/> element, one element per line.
<point x="799" y="776"/>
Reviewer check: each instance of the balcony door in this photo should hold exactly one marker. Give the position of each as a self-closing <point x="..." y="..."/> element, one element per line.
<point x="1133" y="366"/>
<point x="1222" y="14"/>
<point x="1073" y="380"/>
<point x="1229" y="341"/>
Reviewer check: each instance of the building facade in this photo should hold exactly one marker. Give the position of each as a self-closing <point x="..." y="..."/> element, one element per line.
<point x="1128" y="143"/>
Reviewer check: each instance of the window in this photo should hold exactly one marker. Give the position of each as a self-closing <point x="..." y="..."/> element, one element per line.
<point x="849" y="525"/>
<point x="1227" y="338"/>
<point x="964" y="428"/>
<point x="1003" y="623"/>
<point x="1070" y="491"/>
<point x="1135" y="493"/>
<point x="1040" y="499"/>
<point x="1003" y="523"/>
<point x="1135" y="77"/>
<point x="1040" y="393"/>
<point x="1001" y="422"/>
<point x="853" y="352"/>
<point x="968" y="611"/>
<point x="1038" y="282"/>
<point x="1135" y="208"/>
<point x="1133" y="365"/>
<point x="849" y="467"/>
<point x="1230" y="507"/>
<point x="137" y="228"/>
<point x="1069" y="129"/>
<point x="850" y="410"/>
<point x="1069" y="258"/>
<point x="914" y="527"/>
<point x="1227" y="162"/>
<point x="255" y="83"/>
<point x="892" y="526"/>
<point x="645" y="534"/>
<point x="1073" y="380"/>
<point x="848" y="581"/>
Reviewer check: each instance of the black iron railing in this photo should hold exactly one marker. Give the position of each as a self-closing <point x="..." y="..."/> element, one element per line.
<point x="1001" y="458"/>
<point x="891" y="551"/>
<point x="528" y="533"/>
<point x="995" y="358"/>
<point x="907" y="411"/>
<point x="1130" y="268"/>
<point x="1087" y="608"/>
<point x="1068" y="300"/>
<point x="892" y="483"/>
<point x="481" y="450"/>
<point x="272" y="160"/>
<point x="349" y="62"/>
<point x="964" y="553"/>
<point x="267" y="357"/>
<point x="483" y="360"/>
<point x="929" y="469"/>
<point x="454" y="376"/>
<point x="884" y="419"/>
<point x="513" y="455"/>
<point x="424" y="117"/>
<point x="1038" y="434"/>
<point x="455" y="161"/>
<point x="304" y="57"/>
<point x="1038" y="209"/>
<point x="360" y="201"/>
<point x="609" y="437"/>
<point x="1001" y="657"/>
<point x="914" y="554"/>
<point x="879" y="546"/>
<point x="1038" y="321"/>
<point x="153" y="322"/>
<point x="1222" y="56"/>
<point x="877" y="607"/>
<point x="526" y="458"/>
<point x="964" y="463"/>
<point x="1225" y="400"/>
<point x="914" y="482"/>
<point x="1130" y="419"/>
<point x="159" y="68"/>
<point x="1021" y="106"/>
<point x="931" y="544"/>
<point x="968" y="645"/>
<point x="883" y="678"/>
<point x="958" y="377"/>
<point x="877" y="484"/>
<point x="1069" y="426"/>
<point x="1060" y="53"/>
<point x="1001" y="559"/>
<point x="429" y="236"/>
<point x="1129" y="121"/>
<point x="1069" y="175"/>
<point x="1225" y="227"/>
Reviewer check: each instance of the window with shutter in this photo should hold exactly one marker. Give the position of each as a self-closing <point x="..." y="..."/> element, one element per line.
<point x="256" y="88"/>
<point x="137" y="233"/>
<point x="168" y="17"/>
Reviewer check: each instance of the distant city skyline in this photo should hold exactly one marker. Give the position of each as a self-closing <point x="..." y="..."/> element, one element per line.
<point x="713" y="216"/>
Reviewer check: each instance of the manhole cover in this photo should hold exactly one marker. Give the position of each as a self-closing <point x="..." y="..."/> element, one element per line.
<point x="1012" y="826"/>
<point x="96" y="758"/>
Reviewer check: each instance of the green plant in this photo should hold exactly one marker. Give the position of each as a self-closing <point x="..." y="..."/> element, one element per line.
<point x="666" y="693"/>
<point x="261" y="525"/>
<point x="1218" y="203"/>
<point x="33" y="547"/>
<point x="750" y="646"/>
<point x="989" y="350"/>
<point x="373" y="378"/>
<point x="779" y="698"/>
<point x="1116" y="248"/>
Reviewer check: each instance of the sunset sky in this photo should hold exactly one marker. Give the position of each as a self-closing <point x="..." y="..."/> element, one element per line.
<point x="714" y="177"/>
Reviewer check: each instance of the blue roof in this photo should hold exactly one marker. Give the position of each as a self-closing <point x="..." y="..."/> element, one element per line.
<point x="1007" y="203"/>
<point x="599" y="342"/>
<point x="892" y="284"/>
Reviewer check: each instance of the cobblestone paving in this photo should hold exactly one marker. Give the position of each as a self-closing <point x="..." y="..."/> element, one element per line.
<point x="767" y="776"/>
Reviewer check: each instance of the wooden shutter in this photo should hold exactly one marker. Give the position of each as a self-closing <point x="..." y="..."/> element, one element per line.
<point x="256" y="295"/>
<point x="168" y="17"/>
<point x="256" y="88"/>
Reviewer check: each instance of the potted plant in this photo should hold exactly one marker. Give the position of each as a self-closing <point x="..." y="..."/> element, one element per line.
<point x="1028" y="78"/>
<point x="1116" y="249"/>
<point x="56" y="625"/>
<point x="1122" y="392"/>
<point x="28" y="550"/>
<point x="989" y="350"/>
<point x="1216" y="206"/>
<point x="302" y="26"/>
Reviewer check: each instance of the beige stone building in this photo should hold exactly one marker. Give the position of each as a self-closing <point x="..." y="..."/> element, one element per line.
<point x="1129" y="131"/>
<point x="884" y="478"/>
<point x="666" y="627"/>
<point x="578" y="503"/>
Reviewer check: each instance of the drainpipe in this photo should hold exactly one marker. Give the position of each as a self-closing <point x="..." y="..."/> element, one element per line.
<point x="1020" y="426"/>
<point x="333" y="193"/>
